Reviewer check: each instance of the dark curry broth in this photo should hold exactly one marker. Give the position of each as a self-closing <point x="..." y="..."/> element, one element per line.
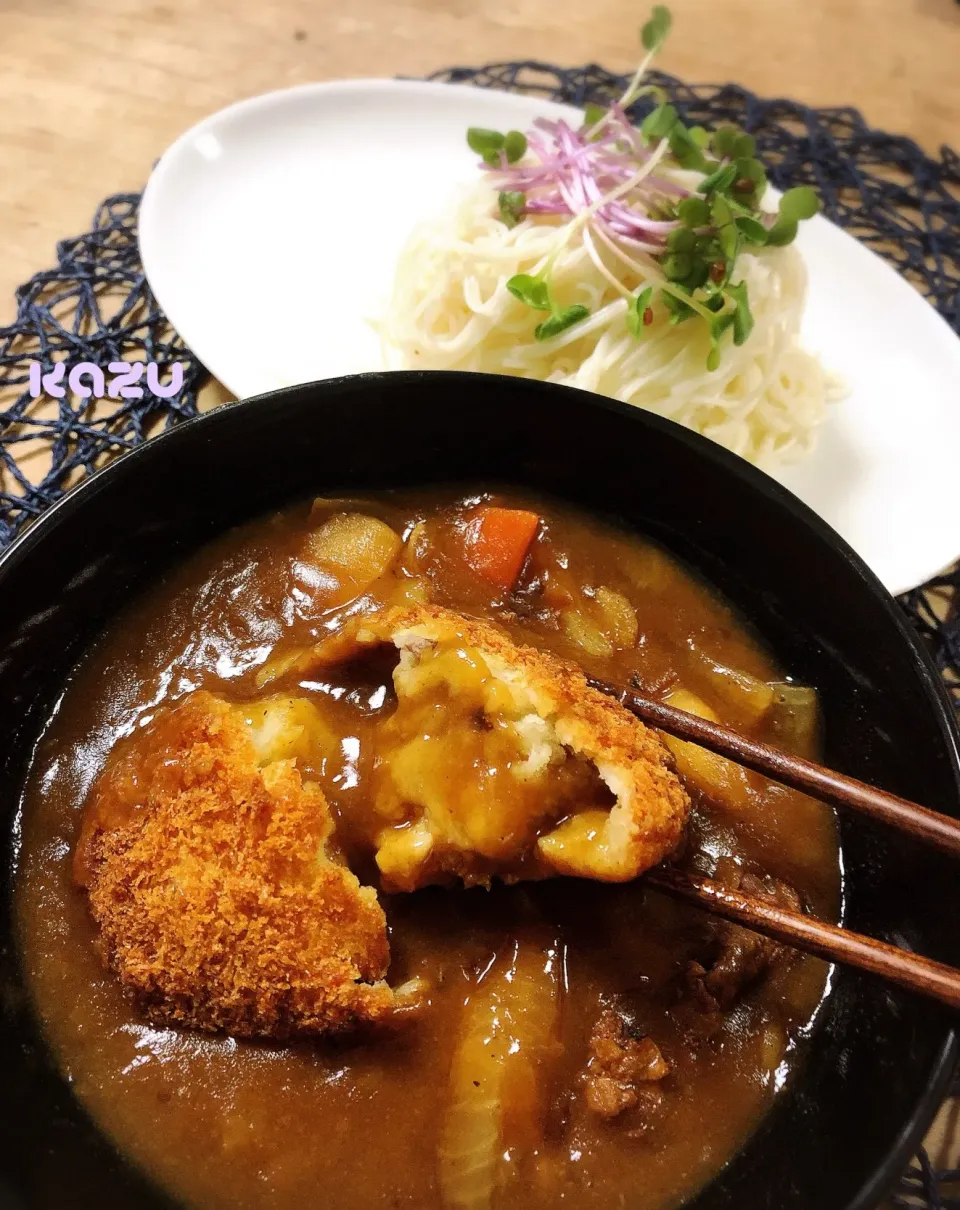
<point x="227" y="1124"/>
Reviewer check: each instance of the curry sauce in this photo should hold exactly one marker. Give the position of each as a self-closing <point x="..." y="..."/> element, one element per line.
<point x="568" y="1040"/>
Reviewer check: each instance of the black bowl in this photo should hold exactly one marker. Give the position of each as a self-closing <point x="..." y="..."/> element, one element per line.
<point x="880" y="1059"/>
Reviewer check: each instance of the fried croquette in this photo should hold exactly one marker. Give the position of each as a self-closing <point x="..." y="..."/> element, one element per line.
<point x="210" y="860"/>
<point x="209" y="872"/>
<point x="501" y="760"/>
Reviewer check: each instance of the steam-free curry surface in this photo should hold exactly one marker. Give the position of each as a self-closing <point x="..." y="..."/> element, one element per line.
<point x="591" y="982"/>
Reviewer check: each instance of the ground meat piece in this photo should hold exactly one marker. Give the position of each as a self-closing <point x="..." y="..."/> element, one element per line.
<point x="735" y="957"/>
<point x="620" y="1061"/>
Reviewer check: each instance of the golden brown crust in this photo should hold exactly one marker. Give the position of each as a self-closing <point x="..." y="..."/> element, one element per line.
<point x="652" y="804"/>
<point x="217" y="904"/>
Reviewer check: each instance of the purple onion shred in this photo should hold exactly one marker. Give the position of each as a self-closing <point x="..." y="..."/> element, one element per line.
<point x="566" y="171"/>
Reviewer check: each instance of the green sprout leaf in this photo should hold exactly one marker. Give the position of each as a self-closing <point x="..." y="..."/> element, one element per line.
<point x="701" y="136"/>
<point x="685" y="149"/>
<point x="795" y="205"/>
<point x="560" y="320"/>
<point x="730" y="241"/>
<point x="744" y="145"/>
<point x="592" y="114"/>
<point x="783" y="231"/>
<point x="659" y="122"/>
<point x="681" y="240"/>
<point x="751" y="229"/>
<point x="679" y="310"/>
<point x="713" y="357"/>
<point x="511" y="207"/>
<point x="799" y="203"/>
<point x="486" y="143"/>
<point x="722" y="321"/>
<point x="677" y="266"/>
<point x="751" y="180"/>
<point x="530" y="290"/>
<point x="515" y="146"/>
<point x="698" y="274"/>
<point x="727" y="233"/>
<point x="694" y="211"/>
<point x="654" y="33"/>
<point x="724" y="142"/>
<point x="752" y="170"/>
<point x="637" y="312"/>
<point x="719" y="181"/>
<point x="742" y="317"/>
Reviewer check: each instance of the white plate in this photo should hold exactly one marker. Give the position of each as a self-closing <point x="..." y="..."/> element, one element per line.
<point x="269" y="234"/>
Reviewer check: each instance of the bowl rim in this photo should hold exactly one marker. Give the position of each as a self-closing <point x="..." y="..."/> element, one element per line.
<point x="886" y="1172"/>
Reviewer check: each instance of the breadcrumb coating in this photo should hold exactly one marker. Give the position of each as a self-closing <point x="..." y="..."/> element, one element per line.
<point x="219" y="905"/>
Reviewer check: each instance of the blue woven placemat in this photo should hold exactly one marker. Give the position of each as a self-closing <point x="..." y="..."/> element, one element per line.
<point x="95" y="306"/>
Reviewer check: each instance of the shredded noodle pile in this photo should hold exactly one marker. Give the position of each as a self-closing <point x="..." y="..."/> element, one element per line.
<point x="451" y="310"/>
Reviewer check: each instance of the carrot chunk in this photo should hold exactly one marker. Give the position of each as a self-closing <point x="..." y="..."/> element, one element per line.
<point x="497" y="543"/>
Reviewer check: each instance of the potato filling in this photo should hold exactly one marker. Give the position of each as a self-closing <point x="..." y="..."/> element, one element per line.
<point x="467" y="778"/>
<point x="501" y="760"/>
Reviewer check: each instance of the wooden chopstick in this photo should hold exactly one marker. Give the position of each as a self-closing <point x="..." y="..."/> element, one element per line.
<point x="794" y="771"/>
<point x="829" y="941"/>
<point x="912" y="971"/>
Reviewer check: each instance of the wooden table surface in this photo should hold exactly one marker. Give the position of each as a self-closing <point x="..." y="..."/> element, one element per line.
<point x="92" y="91"/>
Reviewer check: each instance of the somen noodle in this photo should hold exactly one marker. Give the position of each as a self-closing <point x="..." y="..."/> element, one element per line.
<point x="638" y="262"/>
<point x="451" y="310"/>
